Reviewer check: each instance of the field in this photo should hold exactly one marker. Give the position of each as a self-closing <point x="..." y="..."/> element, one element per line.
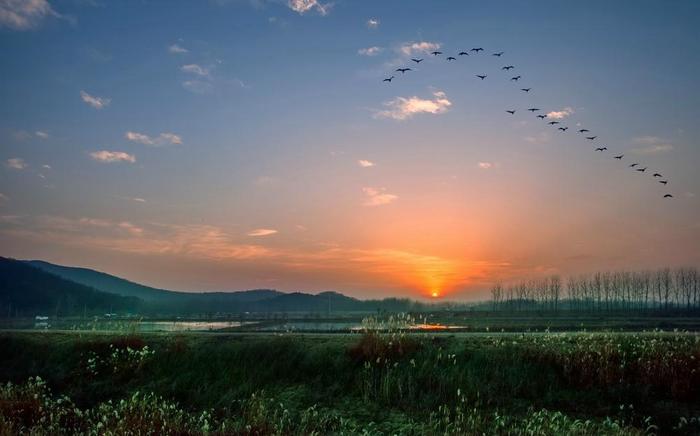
<point x="380" y="381"/>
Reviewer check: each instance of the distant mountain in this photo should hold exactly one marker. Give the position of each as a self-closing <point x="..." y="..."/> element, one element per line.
<point x="116" y="285"/>
<point x="163" y="302"/>
<point x="28" y="291"/>
<point x="104" y="282"/>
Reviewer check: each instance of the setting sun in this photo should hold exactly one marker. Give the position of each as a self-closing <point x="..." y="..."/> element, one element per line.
<point x="435" y="294"/>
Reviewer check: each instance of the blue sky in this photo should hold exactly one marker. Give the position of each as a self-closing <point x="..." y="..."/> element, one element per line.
<point x="239" y="144"/>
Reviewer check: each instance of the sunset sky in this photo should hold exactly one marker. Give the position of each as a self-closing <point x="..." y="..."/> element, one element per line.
<point x="228" y="145"/>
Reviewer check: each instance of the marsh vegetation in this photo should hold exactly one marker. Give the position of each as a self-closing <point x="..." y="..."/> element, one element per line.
<point x="384" y="380"/>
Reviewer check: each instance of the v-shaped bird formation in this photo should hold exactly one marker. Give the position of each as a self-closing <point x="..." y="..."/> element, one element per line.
<point x="542" y="116"/>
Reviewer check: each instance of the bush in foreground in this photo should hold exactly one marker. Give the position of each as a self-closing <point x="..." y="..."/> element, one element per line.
<point x="30" y="408"/>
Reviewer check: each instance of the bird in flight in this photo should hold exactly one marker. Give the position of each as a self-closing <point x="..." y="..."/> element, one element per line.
<point x="477" y="49"/>
<point x="657" y="175"/>
<point x="551" y="123"/>
<point x="516" y="78"/>
<point x="563" y="129"/>
<point x="592" y="138"/>
<point x="481" y="76"/>
<point x="499" y="54"/>
<point x="665" y="182"/>
<point x="511" y="112"/>
<point x="601" y="148"/>
<point x="508" y="67"/>
<point x="533" y="109"/>
<point x="525" y="89"/>
<point x="641" y="170"/>
<point x="403" y="70"/>
<point x="435" y="53"/>
<point x="633" y="165"/>
<point x="418" y="61"/>
<point x="620" y="157"/>
<point x="388" y="79"/>
<point x="542" y="117"/>
<point x="668" y="196"/>
<point x="583" y="131"/>
<point x="463" y="53"/>
<point x="450" y="58"/>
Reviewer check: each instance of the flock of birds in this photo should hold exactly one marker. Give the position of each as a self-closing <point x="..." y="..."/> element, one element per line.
<point x="635" y="165"/>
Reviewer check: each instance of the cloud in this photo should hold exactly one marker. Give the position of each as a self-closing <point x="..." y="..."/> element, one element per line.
<point x="197" y="86"/>
<point x="262" y="232"/>
<point x="651" y="145"/>
<point x="369" y="51"/>
<point x="24" y="14"/>
<point x="138" y="199"/>
<point x="540" y="138"/>
<point x="265" y="180"/>
<point x="48" y="167"/>
<point x="402" y="108"/>
<point x="3" y="198"/>
<point x="165" y="138"/>
<point x="411" y="48"/>
<point x="486" y="165"/>
<point x="194" y="241"/>
<point x="176" y="49"/>
<point x="304" y="6"/>
<point x="365" y="163"/>
<point x="16" y="163"/>
<point x="106" y="156"/>
<point x="373" y="23"/>
<point x="195" y="69"/>
<point x="377" y="196"/>
<point x="96" y="102"/>
<point x="558" y="115"/>
<point x="42" y="135"/>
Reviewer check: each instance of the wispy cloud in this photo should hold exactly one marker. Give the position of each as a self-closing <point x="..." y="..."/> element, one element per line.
<point x="540" y="138"/>
<point x="377" y="196"/>
<point x="177" y="49"/>
<point x="369" y="51"/>
<point x="165" y="138"/>
<point x="16" y="163"/>
<point x="195" y="69"/>
<point x="486" y="165"/>
<point x="373" y="23"/>
<point x="198" y="86"/>
<point x="106" y="156"/>
<point x="24" y="14"/>
<point x="402" y="108"/>
<point x="411" y="48"/>
<point x="560" y="114"/>
<point x="365" y="163"/>
<point x="262" y="232"/>
<point x="196" y="241"/>
<point x="3" y="198"/>
<point x="96" y="102"/>
<point x="41" y="134"/>
<point x="304" y="6"/>
<point x="651" y="145"/>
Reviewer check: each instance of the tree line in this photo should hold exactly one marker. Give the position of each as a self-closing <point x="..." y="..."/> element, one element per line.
<point x="664" y="289"/>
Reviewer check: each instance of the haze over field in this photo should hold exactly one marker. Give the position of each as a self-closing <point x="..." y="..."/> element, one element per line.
<point x="254" y="144"/>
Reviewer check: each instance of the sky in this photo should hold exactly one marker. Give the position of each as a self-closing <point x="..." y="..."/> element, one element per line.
<point x="228" y="145"/>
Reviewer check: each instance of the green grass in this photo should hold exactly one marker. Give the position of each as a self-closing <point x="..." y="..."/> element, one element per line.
<point x="376" y="383"/>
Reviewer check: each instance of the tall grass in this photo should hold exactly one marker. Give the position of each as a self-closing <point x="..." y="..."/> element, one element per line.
<point x="383" y="381"/>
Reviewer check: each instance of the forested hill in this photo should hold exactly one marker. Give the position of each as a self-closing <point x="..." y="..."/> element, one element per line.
<point x="153" y="301"/>
<point x="28" y="291"/>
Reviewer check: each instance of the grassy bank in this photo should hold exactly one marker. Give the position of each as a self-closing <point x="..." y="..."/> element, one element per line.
<point x="376" y="383"/>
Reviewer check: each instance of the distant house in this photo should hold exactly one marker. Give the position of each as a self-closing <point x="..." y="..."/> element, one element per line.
<point x="41" y="322"/>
